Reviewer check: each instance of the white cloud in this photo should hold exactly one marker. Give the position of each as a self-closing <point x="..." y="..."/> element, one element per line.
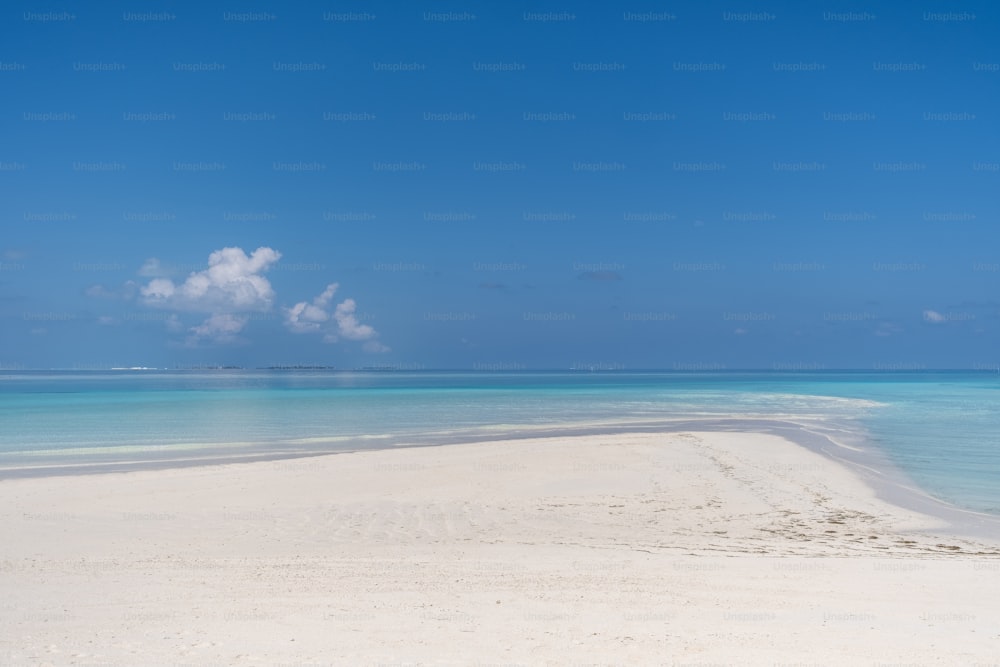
<point x="232" y="283"/>
<point x="323" y="300"/>
<point x="934" y="317"/>
<point x="306" y="317"/>
<point x="341" y="322"/>
<point x="347" y="322"/>
<point x="221" y="327"/>
<point x="231" y="286"/>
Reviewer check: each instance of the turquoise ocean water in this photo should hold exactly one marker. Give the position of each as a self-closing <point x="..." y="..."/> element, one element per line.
<point x="940" y="428"/>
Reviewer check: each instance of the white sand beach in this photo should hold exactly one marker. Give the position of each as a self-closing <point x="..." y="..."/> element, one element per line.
<point x="646" y="549"/>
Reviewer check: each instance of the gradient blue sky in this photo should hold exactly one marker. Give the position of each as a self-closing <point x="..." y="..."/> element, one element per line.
<point x="813" y="185"/>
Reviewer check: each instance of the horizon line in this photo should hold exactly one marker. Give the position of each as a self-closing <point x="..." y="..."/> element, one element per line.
<point x="413" y="368"/>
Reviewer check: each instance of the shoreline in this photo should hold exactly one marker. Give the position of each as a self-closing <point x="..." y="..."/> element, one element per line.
<point x="867" y="462"/>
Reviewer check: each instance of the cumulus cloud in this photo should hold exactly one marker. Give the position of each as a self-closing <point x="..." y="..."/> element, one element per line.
<point x="339" y="322"/>
<point x="231" y="283"/>
<point x="307" y="317"/>
<point x="934" y="317"/>
<point x="230" y="287"/>
<point x="347" y="322"/>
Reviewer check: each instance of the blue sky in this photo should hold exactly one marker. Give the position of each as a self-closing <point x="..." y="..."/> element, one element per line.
<point x="500" y="185"/>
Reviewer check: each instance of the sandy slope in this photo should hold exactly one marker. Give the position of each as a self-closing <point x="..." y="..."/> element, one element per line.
<point x="693" y="548"/>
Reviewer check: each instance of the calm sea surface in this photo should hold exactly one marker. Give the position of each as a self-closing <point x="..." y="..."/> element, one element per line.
<point x="941" y="428"/>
